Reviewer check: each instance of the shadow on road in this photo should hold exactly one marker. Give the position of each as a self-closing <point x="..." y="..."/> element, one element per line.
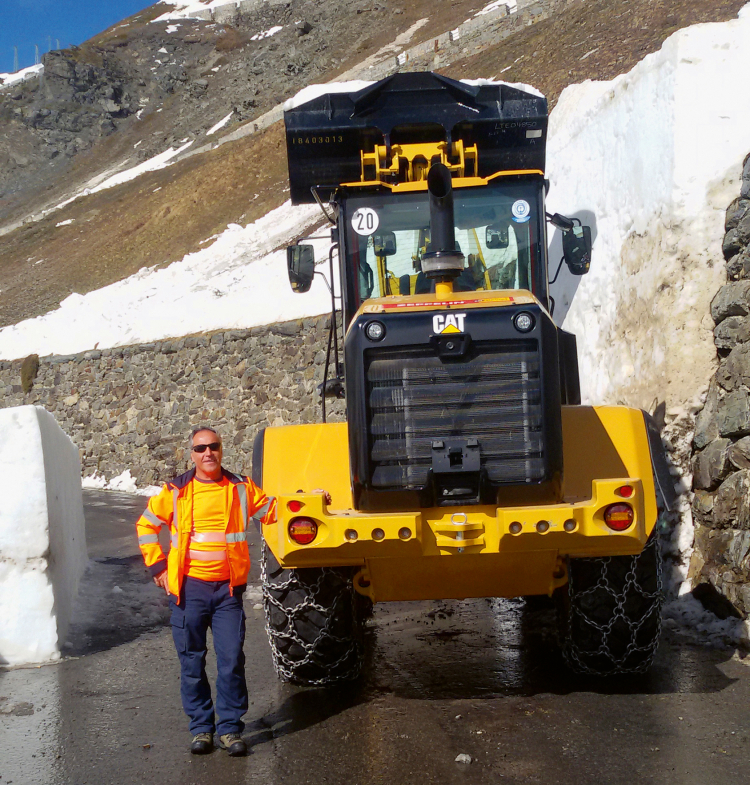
<point x="303" y="709"/>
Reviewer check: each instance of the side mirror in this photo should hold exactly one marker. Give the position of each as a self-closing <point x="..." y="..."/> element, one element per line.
<point x="384" y="244"/>
<point x="496" y="237"/>
<point x="576" y="244"/>
<point x="300" y="262"/>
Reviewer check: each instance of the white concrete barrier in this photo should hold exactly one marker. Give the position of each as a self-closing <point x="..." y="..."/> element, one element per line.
<point x="42" y="535"/>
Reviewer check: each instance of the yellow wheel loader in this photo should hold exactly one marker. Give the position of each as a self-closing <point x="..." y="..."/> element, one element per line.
<point x="467" y="466"/>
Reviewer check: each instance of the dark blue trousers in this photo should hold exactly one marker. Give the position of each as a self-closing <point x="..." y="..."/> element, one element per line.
<point x="205" y="604"/>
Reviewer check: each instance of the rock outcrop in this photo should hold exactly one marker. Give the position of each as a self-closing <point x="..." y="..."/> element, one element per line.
<point x="721" y="460"/>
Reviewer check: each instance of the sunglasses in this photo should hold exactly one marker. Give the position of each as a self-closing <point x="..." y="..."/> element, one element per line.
<point x="214" y="447"/>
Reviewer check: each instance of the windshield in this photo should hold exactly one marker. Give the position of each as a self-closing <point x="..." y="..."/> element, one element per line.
<point x="497" y="230"/>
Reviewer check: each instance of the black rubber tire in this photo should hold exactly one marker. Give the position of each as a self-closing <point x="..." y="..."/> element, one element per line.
<point x="314" y="621"/>
<point x="609" y="615"/>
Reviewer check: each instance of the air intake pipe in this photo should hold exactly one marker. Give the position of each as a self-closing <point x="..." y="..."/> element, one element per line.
<point x="443" y="260"/>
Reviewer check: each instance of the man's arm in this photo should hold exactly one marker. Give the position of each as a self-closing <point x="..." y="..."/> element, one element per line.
<point x="259" y="504"/>
<point x="158" y="513"/>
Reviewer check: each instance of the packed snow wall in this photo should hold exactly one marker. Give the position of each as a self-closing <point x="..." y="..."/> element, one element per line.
<point x="650" y="161"/>
<point x="42" y="535"/>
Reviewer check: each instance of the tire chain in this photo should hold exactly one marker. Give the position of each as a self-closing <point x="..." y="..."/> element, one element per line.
<point x="572" y="652"/>
<point x="284" y="666"/>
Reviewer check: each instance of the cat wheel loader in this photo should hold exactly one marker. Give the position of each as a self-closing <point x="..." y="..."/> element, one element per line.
<point x="467" y="466"/>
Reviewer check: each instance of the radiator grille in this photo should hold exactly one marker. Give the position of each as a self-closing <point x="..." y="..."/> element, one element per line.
<point x="494" y="395"/>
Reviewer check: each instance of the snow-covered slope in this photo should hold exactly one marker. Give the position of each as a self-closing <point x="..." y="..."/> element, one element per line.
<point x="650" y="159"/>
<point x="238" y="281"/>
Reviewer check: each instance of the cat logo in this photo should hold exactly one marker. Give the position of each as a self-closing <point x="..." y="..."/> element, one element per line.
<point x="448" y="323"/>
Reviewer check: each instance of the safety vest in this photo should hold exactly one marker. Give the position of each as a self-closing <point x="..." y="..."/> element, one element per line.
<point x="173" y="507"/>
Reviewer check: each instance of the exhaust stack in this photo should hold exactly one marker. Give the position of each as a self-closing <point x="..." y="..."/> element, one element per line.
<point x="443" y="260"/>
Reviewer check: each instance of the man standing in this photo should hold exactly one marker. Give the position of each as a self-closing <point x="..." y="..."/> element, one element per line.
<point x="207" y="510"/>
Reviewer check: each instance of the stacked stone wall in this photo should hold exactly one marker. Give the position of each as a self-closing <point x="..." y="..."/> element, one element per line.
<point x="133" y="407"/>
<point x="721" y="460"/>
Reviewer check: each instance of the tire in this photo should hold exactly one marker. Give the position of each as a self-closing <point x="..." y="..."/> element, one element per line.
<point x="314" y="622"/>
<point x="609" y="617"/>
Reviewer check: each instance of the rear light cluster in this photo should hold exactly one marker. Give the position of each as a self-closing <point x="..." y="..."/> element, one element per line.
<point x="619" y="516"/>
<point x="303" y="530"/>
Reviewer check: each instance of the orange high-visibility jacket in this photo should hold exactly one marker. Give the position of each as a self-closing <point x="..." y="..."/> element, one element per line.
<point x="173" y="507"/>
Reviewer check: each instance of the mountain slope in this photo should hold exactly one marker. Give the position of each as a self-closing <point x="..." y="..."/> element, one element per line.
<point x="160" y="216"/>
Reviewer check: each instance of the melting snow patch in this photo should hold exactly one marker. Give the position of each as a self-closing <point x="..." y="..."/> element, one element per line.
<point x="511" y="5"/>
<point x="153" y="164"/>
<point x="266" y="33"/>
<point x="65" y="223"/>
<point x="6" y="80"/>
<point x="211" y="131"/>
<point x="314" y="90"/>
<point x="517" y="85"/>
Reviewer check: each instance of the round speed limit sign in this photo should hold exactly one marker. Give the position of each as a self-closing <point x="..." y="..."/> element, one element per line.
<point x="365" y="221"/>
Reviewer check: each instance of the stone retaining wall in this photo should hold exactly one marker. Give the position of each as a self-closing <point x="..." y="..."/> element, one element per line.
<point x="721" y="460"/>
<point x="133" y="407"/>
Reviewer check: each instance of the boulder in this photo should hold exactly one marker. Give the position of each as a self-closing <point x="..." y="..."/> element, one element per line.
<point x="733" y="415"/>
<point x="706" y="423"/>
<point x="732" y="502"/>
<point x="732" y="331"/>
<point x="735" y="212"/>
<point x="711" y="465"/>
<point x="733" y="299"/>
<point x="739" y="453"/>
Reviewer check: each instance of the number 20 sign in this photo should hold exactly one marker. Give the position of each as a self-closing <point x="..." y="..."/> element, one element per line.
<point x="365" y="221"/>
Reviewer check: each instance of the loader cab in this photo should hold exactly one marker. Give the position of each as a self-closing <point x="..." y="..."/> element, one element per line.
<point x="499" y="228"/>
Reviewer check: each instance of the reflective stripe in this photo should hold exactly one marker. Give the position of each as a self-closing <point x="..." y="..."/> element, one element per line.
<point x="236" y="537"/>
<point x="208" y="537"/>
<point x="208" y="555"/>
<point x="260" y="512"/>
<point x="147" y="539"/>
<point x="175" y="519"/>
<point x="174" y="542"/>
<point x="151" y="518"/>
<point x="242" y="493"/>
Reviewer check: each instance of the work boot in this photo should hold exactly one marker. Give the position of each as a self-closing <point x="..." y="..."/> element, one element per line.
<point x="202" y="743"/>
<point x="234" y="744"/>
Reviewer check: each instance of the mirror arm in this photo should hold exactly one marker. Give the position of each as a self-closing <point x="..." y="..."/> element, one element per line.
<point x="325" y="280"/>
<point x="559" y="267"/>
<point x="313" y="190"/>
<point x="561" y="222"/>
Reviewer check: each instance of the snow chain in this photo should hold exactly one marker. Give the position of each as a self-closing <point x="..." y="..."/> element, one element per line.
<point x="285" y="667"/>
<point x="577" y="657"/>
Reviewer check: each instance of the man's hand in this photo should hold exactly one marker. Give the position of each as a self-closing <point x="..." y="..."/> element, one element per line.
<point x="161" y="580"/>
<point x="326" y="495"/>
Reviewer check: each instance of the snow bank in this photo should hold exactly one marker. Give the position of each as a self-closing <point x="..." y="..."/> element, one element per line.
<point x="42" y="535"/>
<point x="6" y="80"/>
<point x="651" y="160"/>
<point x="124" y="483"/>
<point x="239" y="281"/>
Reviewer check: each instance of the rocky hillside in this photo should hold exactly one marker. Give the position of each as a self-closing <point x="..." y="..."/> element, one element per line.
<point x="145" y="87"/>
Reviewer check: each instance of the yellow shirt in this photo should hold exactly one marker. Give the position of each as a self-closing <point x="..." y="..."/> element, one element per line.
<point x="209" y="516"/>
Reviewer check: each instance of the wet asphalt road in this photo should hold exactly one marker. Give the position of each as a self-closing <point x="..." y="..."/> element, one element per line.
<point x="478" y="677"/>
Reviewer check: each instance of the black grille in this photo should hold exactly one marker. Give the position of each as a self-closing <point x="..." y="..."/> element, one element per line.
<point x="494" y="394"/>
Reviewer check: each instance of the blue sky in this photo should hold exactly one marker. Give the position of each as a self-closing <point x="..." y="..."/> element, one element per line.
<point x="24" y="23"/>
